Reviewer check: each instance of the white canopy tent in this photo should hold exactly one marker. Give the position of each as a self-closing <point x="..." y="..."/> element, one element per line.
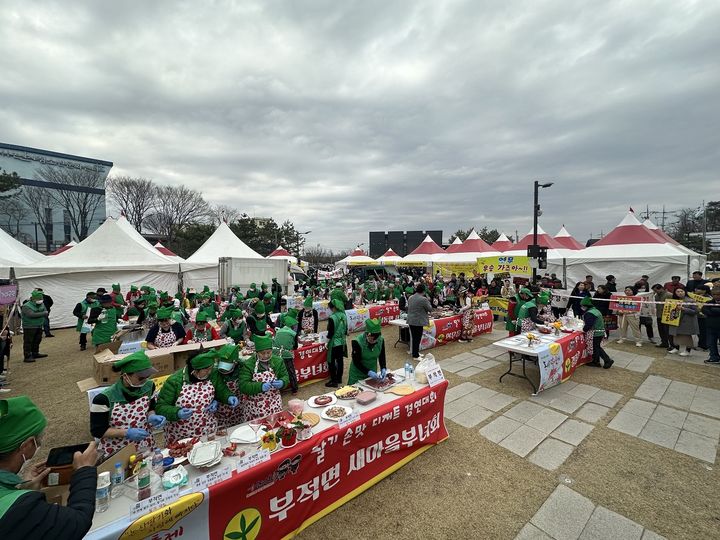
<point x="14" y="253"/>
<point x="427" y="252"/>
<point x="468" y="251"/>
<point x="201" y="268"/>
<point x="389" y="258"/>
<point x="169" y="253"/>
<point x="627" y="252"/>
<point x="282" y="253"/>
<point x="114" y="253"/>
<point x="356" y="258"/>
<point x="503" y="243"/>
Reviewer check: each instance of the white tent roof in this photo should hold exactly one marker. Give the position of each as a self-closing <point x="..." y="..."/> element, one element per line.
<point x="389" y="257"/>
<point x="282" y="253"/>
<point x="14" y="254"/>
<point x="356" y="258"/>
<point x="222" y="243"/>
<point x="472" y="248"/>
<point x="428" y="251"/>
<point x="503" y="243"/>
<point x="168" y="253"/>
<point x="115" y="245"/>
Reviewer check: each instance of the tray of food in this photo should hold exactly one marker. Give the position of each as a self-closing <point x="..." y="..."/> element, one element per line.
<point x="380" y="385"/>
<point x="347" y="392"/>
<point x="335" y="412"/>
<point x="180" y="449"/>
<point x="322" y="400"/>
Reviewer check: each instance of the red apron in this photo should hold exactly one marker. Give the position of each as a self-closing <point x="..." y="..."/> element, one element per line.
<point x="165" y="339"/>
<point x="226" y="415"/>
<point x="264" y="403"/>
<point x="196" y="396"/>
<point x="468" y="317"/>
<point x="124" y="416"/>
<point x="307" y="323"/>
<point x="201" y="337"/>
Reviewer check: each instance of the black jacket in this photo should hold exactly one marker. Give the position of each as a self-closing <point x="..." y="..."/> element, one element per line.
<point x="711" y="310"/>
<point x="48" y="301"/>
<point x="31" y="516"/>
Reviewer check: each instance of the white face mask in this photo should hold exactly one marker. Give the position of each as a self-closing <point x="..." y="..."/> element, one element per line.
<point x="25" y="460"/>
<point x="38" y="302"/>
<point x="130" y="384"/>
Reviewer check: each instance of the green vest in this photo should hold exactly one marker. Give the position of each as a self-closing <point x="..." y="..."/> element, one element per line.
<point x="8" y="492"/>
<point x="85" y="306"/>
<point x="523" y="312"/>
<point x="252" y="293"/>
<point x="209" y="310"/>
<point x="236" y="333"/>
<point x="599" y="326"/>
<point x="104" y="330"/>
<point x="285" y="338"/>
<point x="36" y="322"/>
<point x="340" y="323"/>
<point x="369" y="358"/>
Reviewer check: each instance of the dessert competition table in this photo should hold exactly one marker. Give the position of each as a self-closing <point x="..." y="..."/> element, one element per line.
<point x="276" y="495"/>
<point x="557" y="357"/>
<point x="444" y="330"/>
<point x="356" y="316"/>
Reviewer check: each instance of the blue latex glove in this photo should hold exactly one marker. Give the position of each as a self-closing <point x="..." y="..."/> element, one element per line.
<point x="233" y="401"/>
<point x="212" y="408"/>
<point x="266" y="386"/>
<point x="156" y="420"/>
<point x="278" y="384"/>
<point x="383" y="372"/>
<point x="373" y="375"/>
<point x="184" y="414"/>
<point x="136" y="434"/>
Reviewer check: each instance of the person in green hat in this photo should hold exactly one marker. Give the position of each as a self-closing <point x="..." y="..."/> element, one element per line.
<point x="292" y="312"/>
<point x="148" y="316"/>
<point x="234" y="326"/>
<point x="24" y="511"/>
<point x="269" y="302"/>
<point x="276" y="291"/>
<point x="125" y="411"/>
<point x="132" y="295"/>
<point x="252" y="292"/>
<point x="286" y="340"/>
<point x="190" y="396"/>
<point x="209" y="307"/>
<point x="118" y="298"/>
<point x="263" y="290"/>
<point x="259" y="322"/>
<point x="138" y="305"/>
<point x="368" y="350"/>
<point x="543" y="305"/>
<point x="403" y="302"/>
<point x="82" y="311"/>
<point x="337" y="330"/>
<point x="308" y="317"/>
<point x="527" y="316"/>
<point x="229" y="367"/>
<point x="261" y="380"/>
<point x="339" y="293"/>
<point x="515" y="303"/>
<point x="166" y="333"/>
<point x="33" y="318"/>
<point x="202" y="331"/>
<point x="594" y="328"/>
<point x="105" y="318"/>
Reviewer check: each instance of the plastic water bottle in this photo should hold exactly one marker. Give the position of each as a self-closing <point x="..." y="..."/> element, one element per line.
<point x="117" y="478"/>
<point x="411" y="374"/>
<point x="102" y="492"/>
<point x="157" y="463"/>
<point x="408" y="371"/>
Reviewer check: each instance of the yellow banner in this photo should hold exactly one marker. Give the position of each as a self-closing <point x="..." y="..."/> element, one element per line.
<point x="516" y="265"/>
<point x="671" y="313"/>
<point x="449" y="268"/>
<point x="698" y="298"/>
<point x="499" y="306"/>
<point x="413" y="263"/>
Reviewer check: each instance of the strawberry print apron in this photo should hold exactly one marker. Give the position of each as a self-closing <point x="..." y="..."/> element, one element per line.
<point x="165" y="339"/>
<point x="307" y="324"/>
<point x="196" y="396"/>
<point x="124" y="416"/>
<point x="264" y="403"/>
<point x="149" y="322"/>
<point x="227" y="416"/>
<point x="200" y="337"/>
<point x="468" y="317"/>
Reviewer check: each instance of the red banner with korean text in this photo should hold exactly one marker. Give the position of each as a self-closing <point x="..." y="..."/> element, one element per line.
<point x="559" y="360"/>
<point x="311" y="363"/>
<point x="295" y="488"/>
<point x="386" y="313"/>
<point x="625" y="304"/>
<point x="447" y="329"/>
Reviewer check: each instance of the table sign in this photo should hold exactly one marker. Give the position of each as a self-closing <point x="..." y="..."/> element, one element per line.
<point x="251" y="460"/>
<point x="348" y="419"/>
<point x="435" y="375"/>
<point x="212" y="478"/>
<point x="155" y="502"/>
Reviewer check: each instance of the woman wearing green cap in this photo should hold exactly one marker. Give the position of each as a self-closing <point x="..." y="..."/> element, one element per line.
<point x="105" y="319"/>
<point x="148" y="316"/>
<point x="229" y="367"/>
<point x="202" y="331"/>
<point x="262" y="379"/>
<point x="118" y="298"/>
<point x="208" y="307"/>
<point x="33" y="317"/>
<point x="234" y="326"/>
<point x="24" y="512"/>
<point x="166" y="333"/>
<point x="269" y="302"/>
<point x="368" y="350"/>
<point x="292" y="313"/>
<point x="308" y="317"/>
<point x="286" y="340"/>
<point x="125" y="412"/>
<point x="259" y="322"/>
<point x="252" y="291"/>
<point x="189" y="398"/>
<point x="528" y="313"/>
<point x="81" y="311"/>
<point x="594" y="328"/>
<point x="514" y="304"/>
<point x="337" y="345"/>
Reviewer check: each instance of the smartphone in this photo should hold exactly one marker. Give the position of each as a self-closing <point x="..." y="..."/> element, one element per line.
<point x="64" y="454"/>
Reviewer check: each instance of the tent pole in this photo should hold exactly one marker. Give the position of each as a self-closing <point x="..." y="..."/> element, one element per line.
<point x="564" y="273"/>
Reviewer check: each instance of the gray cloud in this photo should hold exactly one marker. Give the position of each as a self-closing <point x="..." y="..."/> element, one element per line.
<point x="353" y="116"/>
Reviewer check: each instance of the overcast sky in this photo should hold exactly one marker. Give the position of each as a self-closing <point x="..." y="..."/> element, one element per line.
<point x="346" y="117"/>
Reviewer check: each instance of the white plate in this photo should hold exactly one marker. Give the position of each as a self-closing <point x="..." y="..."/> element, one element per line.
<point x="348" y="410"/>
<point x="311" y="401"/>
<point x="244" y="435"/>
<point x="204" y="453"/>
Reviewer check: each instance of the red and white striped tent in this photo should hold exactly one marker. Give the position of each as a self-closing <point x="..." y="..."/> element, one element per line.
<point x="389" y="257"/>
<point x="472" y="248"/>
<point x="567" y="240"/>
<point x="63" y="249"/>
<point x="503" y="243"/>
<point x="168" y="252"/>
<point x="427" y="252"/>
<point x="282" y="253"/>
<point x="455" y="247"/>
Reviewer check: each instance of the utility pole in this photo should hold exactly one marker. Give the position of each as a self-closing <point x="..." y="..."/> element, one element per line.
<point x="704" y="237"/>
<point x="36" y="236"/>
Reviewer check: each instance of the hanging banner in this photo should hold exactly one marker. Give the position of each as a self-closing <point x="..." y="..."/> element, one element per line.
<point x="559" y="298"/>
<point x="559" y="360"/>
<point x="8" y="294"/>
<point x="699" y="298"/>
<point x="625" y="304"/>
<point x="386" y="313"/>
<point x="498" y="305"/>
<point x="311" y="363"/>
<point x="516" y="265"/>
<point x="414" y="263"/>
<point x="446" y="269"/>
<point x="672" y="310"/>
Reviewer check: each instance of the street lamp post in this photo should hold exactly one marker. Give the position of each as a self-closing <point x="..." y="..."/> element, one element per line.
<point x="297" y="244"/>
<point x="535" y="251"/>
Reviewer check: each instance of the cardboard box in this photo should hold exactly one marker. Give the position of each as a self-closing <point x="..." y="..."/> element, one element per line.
<point x="103" y="362"/>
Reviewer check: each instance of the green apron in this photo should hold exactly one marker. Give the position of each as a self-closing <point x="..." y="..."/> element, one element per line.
<point x="599" y="326"/>
<point x="104" y="330"/>
<point x="8" y="492"/>
<point x="340" y="323"/>
<point x="237" y="334"/>
<point x="85" y="306"/>
<point x="369" y="358"/>
<point x="523" y="313"/>
<point x="285" y="338"/>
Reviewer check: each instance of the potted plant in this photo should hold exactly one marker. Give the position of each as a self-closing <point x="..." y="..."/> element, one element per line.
<point x="287" y="433"/>
<point x="304" y="430"/>
<point x="270" y="440"/>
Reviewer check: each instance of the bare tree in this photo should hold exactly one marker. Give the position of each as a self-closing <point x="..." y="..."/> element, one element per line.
<point x="223" y="212"/>
<point x="11" y="215"/>
<point x="176" y="206"/>
<point x="77" y="194"/>
<point x="135" y="197"/>
<point x="38" y="200"/>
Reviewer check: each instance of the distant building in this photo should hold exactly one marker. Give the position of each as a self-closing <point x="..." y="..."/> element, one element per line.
<point x="21" y="221"/>
<point x="400" y="242"/>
